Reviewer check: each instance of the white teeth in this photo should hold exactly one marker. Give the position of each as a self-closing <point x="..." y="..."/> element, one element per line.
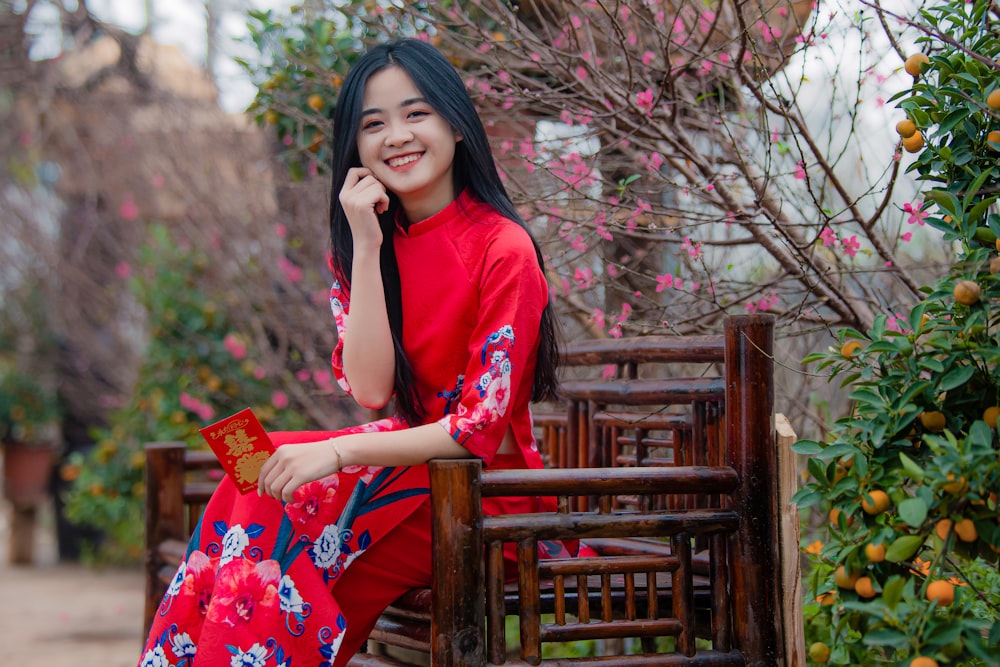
<point x="407" y="159"/>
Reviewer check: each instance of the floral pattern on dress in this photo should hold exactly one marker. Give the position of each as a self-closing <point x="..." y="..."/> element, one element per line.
<point x="493" y="387"/>
<point x="237" y="575"/>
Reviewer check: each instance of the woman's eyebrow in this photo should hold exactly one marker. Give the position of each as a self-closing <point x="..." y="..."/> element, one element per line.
<point x="405" y="103"/>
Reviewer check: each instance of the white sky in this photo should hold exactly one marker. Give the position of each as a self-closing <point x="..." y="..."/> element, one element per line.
<point x="179" y="23"/>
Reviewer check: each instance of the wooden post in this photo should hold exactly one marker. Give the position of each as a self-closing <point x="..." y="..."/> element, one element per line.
<point x="458" y="610"/>
<point x="756" y="568"/>
<point x="164" y="514"/>
<point x="791" y="575"/>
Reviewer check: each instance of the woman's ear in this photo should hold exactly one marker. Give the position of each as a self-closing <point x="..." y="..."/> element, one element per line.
<point x="458" y="136"/>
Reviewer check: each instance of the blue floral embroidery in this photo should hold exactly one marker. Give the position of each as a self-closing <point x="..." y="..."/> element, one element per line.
<point x="451" y="395"/>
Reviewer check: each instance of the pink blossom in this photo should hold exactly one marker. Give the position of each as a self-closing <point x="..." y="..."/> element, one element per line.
<point x="576" y="21"/>
<point x="303" y="375"/>
<point x="694" y="250"/>
<point x="648" y="57"/>
<point x="612" y="270"/>
<point x="644" y="101"/>
<point x="128" y="210"/>
<point x="579" y="244"/>
<point x="597" y="317"/>
<point x="323" y="380"/>
<point x="905" y="238"/>
<point x="280" y="230"/>
<point x="851" y="245"/>
<point x="653" y="162"/>
<point x="664" y="281"/>
<point x="234" y="346"/>
<point x="279" y="400"/>
<point x="917" y="214"/>
<point x="800" y="171"/>
<point x="157" y="180"/>
<point x="828" y="236"/>
<point x="584" y="277"/>
<point x="292" y="272"/>
<point x="566" y="117"/>
<point x="123" y="270"/>
<point x="581" y="73"/>
<point x="259" y="373"/>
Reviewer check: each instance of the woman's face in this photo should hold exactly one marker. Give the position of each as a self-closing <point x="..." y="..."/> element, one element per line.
<point x="406" y="144"/>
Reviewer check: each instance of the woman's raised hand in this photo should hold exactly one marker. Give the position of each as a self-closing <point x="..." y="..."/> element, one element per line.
<point x="363" y="197"/>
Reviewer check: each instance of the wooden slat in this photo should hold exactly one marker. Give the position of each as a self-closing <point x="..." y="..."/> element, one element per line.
<point x="619" y="629"/>
<point x="706" y="658"/>
<point x="516" y="527"/>
<point x="603" y="481"/>
<point x="644" y="349"/>
<point x="669" y="391"/>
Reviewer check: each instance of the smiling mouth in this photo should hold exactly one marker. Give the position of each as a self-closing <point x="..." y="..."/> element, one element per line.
<point x="403" y="160"/>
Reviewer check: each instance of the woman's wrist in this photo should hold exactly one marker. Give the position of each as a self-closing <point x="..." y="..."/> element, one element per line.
<point x="336" y="452"/>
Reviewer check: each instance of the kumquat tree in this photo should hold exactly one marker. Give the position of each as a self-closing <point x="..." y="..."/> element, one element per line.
<point x="908" y="573"/>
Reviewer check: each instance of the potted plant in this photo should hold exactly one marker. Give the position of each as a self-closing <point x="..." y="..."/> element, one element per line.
<point x="29" y="431"/>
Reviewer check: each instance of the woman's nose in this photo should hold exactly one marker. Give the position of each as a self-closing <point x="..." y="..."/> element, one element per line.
<point x="397" y="135"/>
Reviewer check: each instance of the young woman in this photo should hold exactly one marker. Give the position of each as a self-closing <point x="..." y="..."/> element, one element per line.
<point x="441" y="304"/>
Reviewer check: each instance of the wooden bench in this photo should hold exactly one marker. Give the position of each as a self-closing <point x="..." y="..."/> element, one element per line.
<point x="673" y="481"/>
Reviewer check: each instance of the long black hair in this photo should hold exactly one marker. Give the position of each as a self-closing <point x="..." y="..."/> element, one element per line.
<point x="474" y="170"/>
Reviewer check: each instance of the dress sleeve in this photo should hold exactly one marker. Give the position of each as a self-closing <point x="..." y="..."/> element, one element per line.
<point x="340" y="300"/>
<point x="512" y="295"/>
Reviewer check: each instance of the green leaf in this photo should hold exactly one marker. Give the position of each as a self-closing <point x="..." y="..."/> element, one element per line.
<point x="834" y="451"/>
<point x="903" y="548"/>
<point x="956" y="377"/>
<point x="887" y="637"/>
<point x="892" y="591"/>
<point x="913" y="511"/>
<point x="913" y="471"/>
<point x="807" y="447"/>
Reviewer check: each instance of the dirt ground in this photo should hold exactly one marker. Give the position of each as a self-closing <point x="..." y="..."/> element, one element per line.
<point x="53" y="614"/>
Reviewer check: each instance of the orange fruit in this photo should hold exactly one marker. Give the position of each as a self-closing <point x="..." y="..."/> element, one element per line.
<point x="879" y="502"/>
<point x="315" y="101"/>
<point x="992" y="413"/>
<point x="942" y="528"/>
<point x="906" y="128"/>
<point x="966" y="530"/>
<point x="914" y="142"/>
<point x="850" y="348"/>
<point x="913" y="63"/>
<point x="827" y="599"/>
<point x="995" y="265"/>
<point x="819" y="653"/>
<point x="967" y="292"/>
<point x="875" y="553"/>
<point x="864" y="587"/>
<point x="835" y="517"/>
<point x="956" y="487"/>
<point x="993" y="99"/>
<point x="942" y="591"/>
<point x="994" y="137"/>
<point x="923" y="661"/>
<point x="843" y="578"/>
<point x="271" y="117"/>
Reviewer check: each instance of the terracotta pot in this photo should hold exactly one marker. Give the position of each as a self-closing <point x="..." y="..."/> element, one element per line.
<point x="26" y="472"/>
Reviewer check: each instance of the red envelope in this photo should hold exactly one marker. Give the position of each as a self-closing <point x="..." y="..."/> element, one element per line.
<point x="241" y="445"/>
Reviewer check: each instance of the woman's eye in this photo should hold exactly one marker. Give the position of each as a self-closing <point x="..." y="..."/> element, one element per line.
<point x="371" y="124"/>
<point x="417" y="114"/>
